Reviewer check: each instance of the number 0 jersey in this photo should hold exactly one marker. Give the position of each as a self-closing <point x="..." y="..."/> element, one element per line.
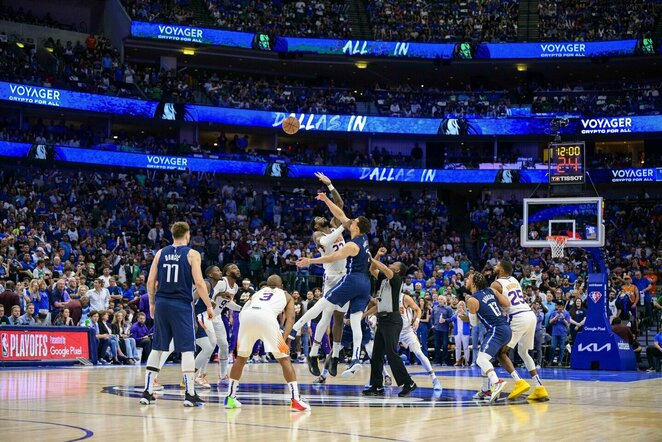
<point x="511" y="288"/>
<point x="175" y="278"/>
<point x="273" y="300"/>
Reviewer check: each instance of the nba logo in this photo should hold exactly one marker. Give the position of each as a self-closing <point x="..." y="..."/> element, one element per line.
<point x="5" y="346"/>
<point x="595" y="296"/>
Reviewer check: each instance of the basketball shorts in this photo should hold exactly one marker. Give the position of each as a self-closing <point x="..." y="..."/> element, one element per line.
<point x="523" y="328"/>
<point x="330" y="281"/>
<point x="257" y="324"/>
<point x="495" y="339"/>
<point x="354" y="290"/>
<point x="173" y="320"/>
<point x="408" y="338"/>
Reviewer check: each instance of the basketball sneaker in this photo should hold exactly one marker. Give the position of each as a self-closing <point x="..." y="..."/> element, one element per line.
<point x="388" y="381"/>
<point x="352" y="369"/>
<point x="223" y="381"/>
<point x="436" y="385"/>
<point x="373" y="391"/>
<point x="539" y="394"/>
<point x="407" y="389"/>
<point x="202" y="382"/>
<point x="313" y="365"/>
<point x="482" y="395"/>
<point x="193" y="400"/>
<point x="147" y="399"/>
<point x="521" y="387"/>
<point x="320" y="380"/>
<point x="299" y="405"/>
<point x="157" y="386"/>
<point x="231" y="402"/>
<point x="333" y="366"/>
<point x="496" y="389"/>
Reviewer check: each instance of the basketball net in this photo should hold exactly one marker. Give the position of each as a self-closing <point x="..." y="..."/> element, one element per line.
<point x="557" y="244"/>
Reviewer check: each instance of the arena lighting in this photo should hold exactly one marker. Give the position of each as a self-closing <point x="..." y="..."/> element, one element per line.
<point x="188" y="51"/>
<point x="521" y="67"/>
<point x="20" y="45"/>
<point x="361" y="64"/>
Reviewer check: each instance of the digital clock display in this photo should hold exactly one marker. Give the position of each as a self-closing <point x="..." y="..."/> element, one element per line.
<point x="566" y="163"/>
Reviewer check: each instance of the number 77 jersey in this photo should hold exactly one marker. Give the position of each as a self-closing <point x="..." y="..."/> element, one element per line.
<point x="511" y="288"/>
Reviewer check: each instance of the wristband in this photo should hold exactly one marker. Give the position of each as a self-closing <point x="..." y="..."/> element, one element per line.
<point x="330" y="187"/>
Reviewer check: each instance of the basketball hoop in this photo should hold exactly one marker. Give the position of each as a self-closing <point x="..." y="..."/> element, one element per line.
<point x="557" y="244"/>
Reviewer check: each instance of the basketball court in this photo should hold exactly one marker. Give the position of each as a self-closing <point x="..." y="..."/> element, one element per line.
<point x="68" y="404"/>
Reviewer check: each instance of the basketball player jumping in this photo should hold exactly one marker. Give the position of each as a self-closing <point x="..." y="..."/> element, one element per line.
<point x="329" y="241"/>
<point x="483" y="306"/>
<point x="259" y="320"/>
<point x="523" y="326"/>
<point x="354" y="287"/>
<point x="175" y="268"/>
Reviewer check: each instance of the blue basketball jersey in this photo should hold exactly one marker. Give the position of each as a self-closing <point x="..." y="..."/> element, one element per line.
<point x="359" y="264"/>
<point x="175" y="276"/>
<point x="489" y="311"/>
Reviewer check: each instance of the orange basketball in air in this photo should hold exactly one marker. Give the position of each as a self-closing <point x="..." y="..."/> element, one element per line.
<point x="291" y="125"/>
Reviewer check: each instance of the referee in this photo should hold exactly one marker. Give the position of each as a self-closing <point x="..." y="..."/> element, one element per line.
<point x="389" y="326"/>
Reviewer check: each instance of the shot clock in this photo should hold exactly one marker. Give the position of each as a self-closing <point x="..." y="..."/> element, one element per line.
<point x="566" y="163"/>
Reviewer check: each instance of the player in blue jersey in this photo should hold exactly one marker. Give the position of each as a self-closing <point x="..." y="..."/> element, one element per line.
<point x="175" y="269"/>
<point x="484" y="306"/>
<point x="354" y="287"/>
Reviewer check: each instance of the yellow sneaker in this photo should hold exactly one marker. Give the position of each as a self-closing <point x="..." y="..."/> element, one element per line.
<point x="539" y="394"/>
<point x="521" y="387"/>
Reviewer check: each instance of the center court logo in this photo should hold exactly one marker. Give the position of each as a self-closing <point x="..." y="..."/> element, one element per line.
<point x="321" y="396"/>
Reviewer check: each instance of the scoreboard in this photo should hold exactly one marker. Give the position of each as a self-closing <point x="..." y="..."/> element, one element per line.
<point x="566" y="163"/>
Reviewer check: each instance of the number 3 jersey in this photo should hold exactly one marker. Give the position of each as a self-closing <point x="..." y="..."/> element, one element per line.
<point x="175" y="278"/>
<point x="511" y="288"/>
<point x="268" y="299"/>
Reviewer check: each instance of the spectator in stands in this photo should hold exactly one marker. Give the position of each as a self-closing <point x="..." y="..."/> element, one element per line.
<point x="4" y="320"/>
<point x="441" y="318"/>
<point x="99" y="296"/>
<point x="103" y="339"/>
<point x="28" y="317"/>
<point x="15" y="317"/>
<point x="142" y="335"/>
<point x="461" y="333"/>
<point x="560" y="322"/>
<point x="654" y="352"/>
<point x="65" y="319"/>
<point x="9" y="298"/>
<point x="577" y="318"/>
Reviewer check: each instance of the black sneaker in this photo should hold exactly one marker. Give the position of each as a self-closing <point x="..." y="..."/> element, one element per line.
<point x="333" y="366"/>
<point x="147" y="399"/>
<point x="313" y="365"/>
<point x="193" y="401"/>
<point x="373" y="391"/>
<point x="407" y="389"/>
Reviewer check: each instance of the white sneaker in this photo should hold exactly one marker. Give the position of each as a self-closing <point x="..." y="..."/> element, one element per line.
<point x="202" y="382"/>
<point x="354" y="367"/>
<point x="157" y="386"/>
<point x="265" y="359"/>
<point x="537" y="367"/>
<point x="436" y="385"/>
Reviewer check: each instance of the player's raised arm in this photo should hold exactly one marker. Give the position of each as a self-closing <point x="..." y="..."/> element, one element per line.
<point x="195" y="261"/>
<point x="377" y="266"/>
<point x="337" y="199"/>
<point x="326" y="240"/>
<point x="349" y="249"/>
<point x="336" y="211"/>
<point x="151" y="282"/>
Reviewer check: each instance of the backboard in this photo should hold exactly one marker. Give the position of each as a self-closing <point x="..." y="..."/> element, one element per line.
<point x="580" y="219"/>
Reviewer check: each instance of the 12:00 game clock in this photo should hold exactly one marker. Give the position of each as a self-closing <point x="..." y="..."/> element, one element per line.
<point x="566" y="163"/>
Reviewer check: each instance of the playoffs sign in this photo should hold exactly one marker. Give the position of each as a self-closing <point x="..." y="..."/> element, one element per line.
<point x="43" y="345"/>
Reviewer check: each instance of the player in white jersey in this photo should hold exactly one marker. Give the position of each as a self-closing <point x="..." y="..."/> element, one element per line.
<point x="522" y="322"/>
<point x="328" y="238"/>
<point x="411" y="316"/>
<point x="259" y="320"/>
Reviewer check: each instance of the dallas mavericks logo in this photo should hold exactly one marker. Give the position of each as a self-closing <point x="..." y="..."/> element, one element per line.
<point x="595" y="296"/>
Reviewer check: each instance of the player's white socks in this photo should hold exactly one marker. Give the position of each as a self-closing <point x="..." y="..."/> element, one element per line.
<point x="150" y="376"/>
<point x="484" y="363"/>
<point x="537" y="380"/>
<point x="188" y="368"/>
<point x="335" y="353"/>
<point x="515" y="376"/>
<point x="486" y="384"/>
<point x="314" y="349"/>
<point x="493" y="378"/>
<point x="294" y="390"/>
<point x="232" y="387"/>
<point x="357" y="334"/>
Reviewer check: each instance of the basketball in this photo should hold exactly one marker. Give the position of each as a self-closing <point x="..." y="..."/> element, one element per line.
<point x="291" y="125"/>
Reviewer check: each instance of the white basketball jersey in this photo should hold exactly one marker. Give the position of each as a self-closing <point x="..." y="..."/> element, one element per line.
<point x="269" y="299"/>
<point x="408" y="314"/>
<point x="339" y="266"/>
<point x="512" y="289"/>
<point x="225" y="288"/>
